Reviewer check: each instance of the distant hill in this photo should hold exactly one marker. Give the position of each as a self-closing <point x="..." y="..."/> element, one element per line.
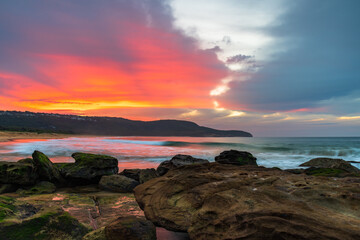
<point x="106" y="126"/>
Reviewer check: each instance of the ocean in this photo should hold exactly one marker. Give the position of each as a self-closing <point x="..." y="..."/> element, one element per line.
<point x="144" y="152"/>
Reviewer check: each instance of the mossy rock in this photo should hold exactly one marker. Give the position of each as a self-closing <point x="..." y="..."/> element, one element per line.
<point x="98" y="234"/>
<point x="39" y="188"/>
<point x="326" y="172"/>
<point x="89" y="159"/>
<point x="4" y="213"/>
<point x="147" y="174"/>
<point x="6" y="188"/>
<point x="26" y="161"/>
<point x="331" y="163"/>
<point x="118" y="183"/>
<point x="88" y="168"/>
<point x="6" y="207"/>
<point x="7" y="202"/>
<point x="46" y="169"/>
<point x="50" y="225"/>
<point x="235" y="157"/>
<point x="17" y="173"/>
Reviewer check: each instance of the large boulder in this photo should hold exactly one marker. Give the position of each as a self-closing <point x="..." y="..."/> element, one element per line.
<point x="45" y="168"/>
<point x="178" y="161"/>
<point x="223" y="201"/>
<point x="88" y="168"/>
<point x="130" y="228"/>
<point x="17" y="173"/>
<point x="236" y="158"/>
<point x="331" y="163"/>
<point x="118" y="183"/>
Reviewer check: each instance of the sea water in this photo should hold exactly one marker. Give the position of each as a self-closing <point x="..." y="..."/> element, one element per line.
<point x="142" y="152"/>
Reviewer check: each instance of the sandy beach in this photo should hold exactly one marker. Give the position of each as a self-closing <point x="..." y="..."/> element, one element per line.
<point x="9" y="136"/>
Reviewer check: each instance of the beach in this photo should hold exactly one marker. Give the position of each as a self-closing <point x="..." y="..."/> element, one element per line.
<point x="10" y="135"/>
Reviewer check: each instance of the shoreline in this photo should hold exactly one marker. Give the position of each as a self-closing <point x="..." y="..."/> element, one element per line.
<point x="7" y="136"/>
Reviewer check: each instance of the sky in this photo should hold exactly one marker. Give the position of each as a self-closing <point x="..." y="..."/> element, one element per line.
<point x="270" y="67"/>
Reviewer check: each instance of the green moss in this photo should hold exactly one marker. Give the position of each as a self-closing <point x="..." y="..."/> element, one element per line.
<point x="8" y="206"/>
<point x="66" y="223"/>
<point x="27" y="229"/>
<point x="89" y="158"/>
<point x="7" y="202"/>
<point x="7" y="199"/>
<point x="51" y="225"/>
<point x="62" y="165"/>
<point x="26" y="161"/>
<point x="5" y="212"/>
<point x="40" y="188"/>
<point x="98" y="234"/>
<point x="244" y="160"/>
<point x="41" y="157"/>
<point x="326" y="172"/>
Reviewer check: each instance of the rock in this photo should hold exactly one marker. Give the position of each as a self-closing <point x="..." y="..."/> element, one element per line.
<point x="178" y="161"/>
<point x="328" y="172"/>
<point x="147" y="174"/>
<point x="4" y="213"/>
<point x="26" y="210"/>
<point x="295" y="171"/>
<point x="89" y="205"/>
<point x="140" y="175"/>
<point x="89" y="168"/>
<point x="26" y="161"/>
<point x="118" y="183"/>
<point x="131" y="173"/>
<point x="98" y="234"/>
<point x="7" y="208"/>
<point x="45" y="168"/>
<point x="39" y="188"/>
<point x="17" y="173"/>
<point x="45" y="225"/>
<point x="223" y="201"/>
<point x="6" y="188"/>
<point x="236" y="158"/>
<point x="331" y="163"/>
<point x="130" y="228"/>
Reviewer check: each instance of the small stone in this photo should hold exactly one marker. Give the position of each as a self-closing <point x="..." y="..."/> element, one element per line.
<point x="130" y="228"/>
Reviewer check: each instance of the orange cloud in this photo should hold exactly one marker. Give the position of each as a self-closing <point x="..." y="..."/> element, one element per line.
<point x="86" y="59"/>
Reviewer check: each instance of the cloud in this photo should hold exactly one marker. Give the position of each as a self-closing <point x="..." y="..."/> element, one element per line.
<point x="238" y="59"/>
<point x="315" y="58"/>
<point x="215" y="49"/>
<point x="106" y="53"/>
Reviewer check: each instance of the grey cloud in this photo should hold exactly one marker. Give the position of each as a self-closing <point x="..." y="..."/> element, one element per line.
<point x="322" y="59"/>
<point x="215" y="49"/>
<point x="240" y="58"/>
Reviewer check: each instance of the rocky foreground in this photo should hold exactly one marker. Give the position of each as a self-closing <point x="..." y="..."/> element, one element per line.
<point x="231" y="198"/>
